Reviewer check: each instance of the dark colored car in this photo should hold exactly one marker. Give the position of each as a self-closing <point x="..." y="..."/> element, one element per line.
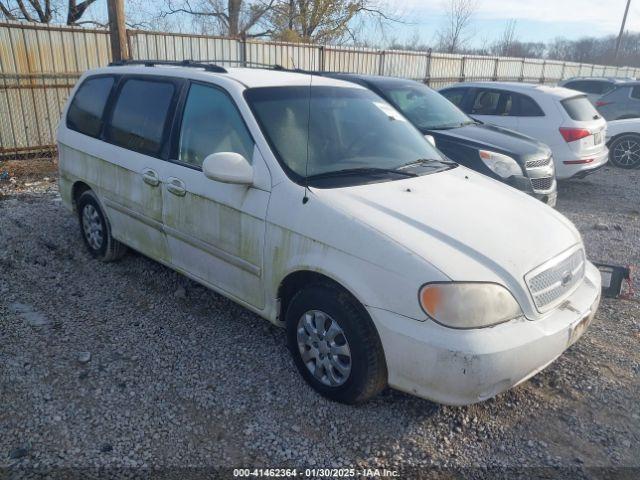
<point x="621" y="102"/>
<point x="505" y="155"/>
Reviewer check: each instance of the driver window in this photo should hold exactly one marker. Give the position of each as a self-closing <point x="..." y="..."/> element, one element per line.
<point x="486" y="103"/>
<point x="211" y="124"/>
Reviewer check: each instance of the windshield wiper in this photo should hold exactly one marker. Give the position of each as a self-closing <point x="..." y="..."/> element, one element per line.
<point x="422" y="161"/>
<point x="360" y="171"/>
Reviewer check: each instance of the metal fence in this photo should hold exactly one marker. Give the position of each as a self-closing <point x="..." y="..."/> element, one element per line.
<point x="39" y="65"/>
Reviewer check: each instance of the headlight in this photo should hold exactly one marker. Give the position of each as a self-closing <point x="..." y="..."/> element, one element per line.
<point x="502" y="165"/>
<point x="468" y="305"/>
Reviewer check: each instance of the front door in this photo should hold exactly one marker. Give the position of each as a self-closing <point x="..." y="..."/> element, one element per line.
<point x="215" y="231"/>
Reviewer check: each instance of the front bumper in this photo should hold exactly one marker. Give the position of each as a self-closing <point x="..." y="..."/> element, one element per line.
<point x="460" y="367"/>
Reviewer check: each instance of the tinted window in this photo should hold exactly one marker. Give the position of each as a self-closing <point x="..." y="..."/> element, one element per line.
<point x="590" y="86"/>
<point x="455" y="95"/>
<point x="424" y="107"/>
<point x="528" y="107"/>
<point x="579" y="108"/>
<point x="87" y="107"/>
<point x="492" y="102"/>
<point x="635" y="92"/>
<point x="140" y="114"/>
<point x="325" y="125"/>
<point x="211" y="124"/>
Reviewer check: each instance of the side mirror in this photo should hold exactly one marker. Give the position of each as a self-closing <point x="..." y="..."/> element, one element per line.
<point x="228" y="167"/>
<point x="430" y="139"/>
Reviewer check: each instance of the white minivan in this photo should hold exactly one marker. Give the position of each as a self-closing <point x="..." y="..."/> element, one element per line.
<point x="315" y="204"/>
<point x="563" y="119"/>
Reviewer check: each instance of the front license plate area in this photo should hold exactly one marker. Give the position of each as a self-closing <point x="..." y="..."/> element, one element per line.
<point x="578" y="329"/>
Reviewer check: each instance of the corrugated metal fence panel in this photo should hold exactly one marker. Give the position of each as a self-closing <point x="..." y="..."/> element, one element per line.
<point x="39" y="65"/>
<point x="288" y="55"/>
<point x="351" y="60"/>
<point x="509" y="69"/>
<point x="445" y="69"/>
<point x="553" y="71"/>
<point x="478" y="68"/>
<point x="533" y="70"/>
<point x="405" y="64"/>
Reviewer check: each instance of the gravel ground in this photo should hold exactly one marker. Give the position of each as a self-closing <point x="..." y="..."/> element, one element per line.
<point x="130" y="365"/>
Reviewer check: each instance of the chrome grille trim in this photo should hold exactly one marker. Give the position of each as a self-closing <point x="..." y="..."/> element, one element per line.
<point x="541" y="184"/>
<point x="552" y="282"/>
<point x="543" y="162"/>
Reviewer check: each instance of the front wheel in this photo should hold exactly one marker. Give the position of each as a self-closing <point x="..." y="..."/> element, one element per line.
<point x="335" y="345"/>
<point x="624" y="151"/>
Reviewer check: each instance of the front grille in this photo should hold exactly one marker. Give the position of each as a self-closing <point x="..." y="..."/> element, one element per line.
<point x="543" y="162"/>
<point x="542" y="183"/>
<point x="551" y="284"/>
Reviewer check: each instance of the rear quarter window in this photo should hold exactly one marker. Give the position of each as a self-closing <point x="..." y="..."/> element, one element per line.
<point x="580" y="109"/>
<point x="635" y="92"/>
<point x="87" y="107"/>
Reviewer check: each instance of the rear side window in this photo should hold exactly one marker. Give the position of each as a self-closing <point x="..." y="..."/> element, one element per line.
<point x="140" y="115"/>
<point x="493" y="102"/>
<point x="635" y="92"/>
<point x="87" y="107"/>
<point x="454" y="95"/>
<point x="580" y="109"/>
<point x="528" y="107"/>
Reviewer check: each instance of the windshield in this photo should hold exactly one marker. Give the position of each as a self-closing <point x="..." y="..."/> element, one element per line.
<point x="350" y="130"/>
<point x="428" y="110"/>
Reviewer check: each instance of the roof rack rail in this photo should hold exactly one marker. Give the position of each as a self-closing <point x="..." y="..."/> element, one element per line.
<point x="210" y="67"/>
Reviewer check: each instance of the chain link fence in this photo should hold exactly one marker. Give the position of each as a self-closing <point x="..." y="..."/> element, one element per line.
<point x="39" y="64"/>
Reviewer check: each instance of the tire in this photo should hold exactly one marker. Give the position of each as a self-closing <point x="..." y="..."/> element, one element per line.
<point x="624" y="151"/>
<point x="96" y="231"/>
<point x="367" y="371"/>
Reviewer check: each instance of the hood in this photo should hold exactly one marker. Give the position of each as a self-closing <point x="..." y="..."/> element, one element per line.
<point x="490" y="137"/>
<point x="468" y="226"/>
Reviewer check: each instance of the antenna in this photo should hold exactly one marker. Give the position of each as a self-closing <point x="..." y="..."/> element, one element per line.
<point x="305" y="198"/>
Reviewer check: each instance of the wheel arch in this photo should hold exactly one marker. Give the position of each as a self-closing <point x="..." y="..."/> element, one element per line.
<point x="296" y="280"/>
<point x="78" y="188"/>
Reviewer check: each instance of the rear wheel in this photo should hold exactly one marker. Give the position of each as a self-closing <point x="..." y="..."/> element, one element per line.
<point x="624" y="151"/>
<point x="335" y="345"/>
<point x="96" y="231"/>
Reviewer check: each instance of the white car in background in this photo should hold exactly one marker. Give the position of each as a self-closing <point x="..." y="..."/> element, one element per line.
<point x="623" y="139"/>
<point x="563" y="119"/>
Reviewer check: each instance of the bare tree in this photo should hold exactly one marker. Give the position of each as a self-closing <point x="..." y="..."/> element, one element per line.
<point x="45" y="11"/>
<point x="323" y="21"/>
<point x="507" y="41"/>
<point x="454" y="34"/>
<point x="76" y="10"/>
<point x="39" y="11"/>
<point x="227" y="17"/>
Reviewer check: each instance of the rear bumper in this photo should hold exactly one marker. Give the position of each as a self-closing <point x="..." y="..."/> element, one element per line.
<point x="460" y="367"/>
<point x="580" y="170"/>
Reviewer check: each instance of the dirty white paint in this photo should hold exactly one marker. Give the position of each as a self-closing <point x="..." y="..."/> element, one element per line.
<point x="382" y="242"/>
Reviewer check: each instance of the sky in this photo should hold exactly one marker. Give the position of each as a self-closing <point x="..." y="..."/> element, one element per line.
<point x="537" y="20"/>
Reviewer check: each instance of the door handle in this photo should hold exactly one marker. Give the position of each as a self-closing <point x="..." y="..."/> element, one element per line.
<point x="150" y="177"/>
<point x="176" y="186"/>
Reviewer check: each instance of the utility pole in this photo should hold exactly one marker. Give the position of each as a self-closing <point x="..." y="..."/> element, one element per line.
<point x="117" y="30"/>
<point x="624" y="20"/>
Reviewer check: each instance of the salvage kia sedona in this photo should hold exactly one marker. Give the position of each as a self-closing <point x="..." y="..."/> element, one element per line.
<point x="318" y="206"/>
